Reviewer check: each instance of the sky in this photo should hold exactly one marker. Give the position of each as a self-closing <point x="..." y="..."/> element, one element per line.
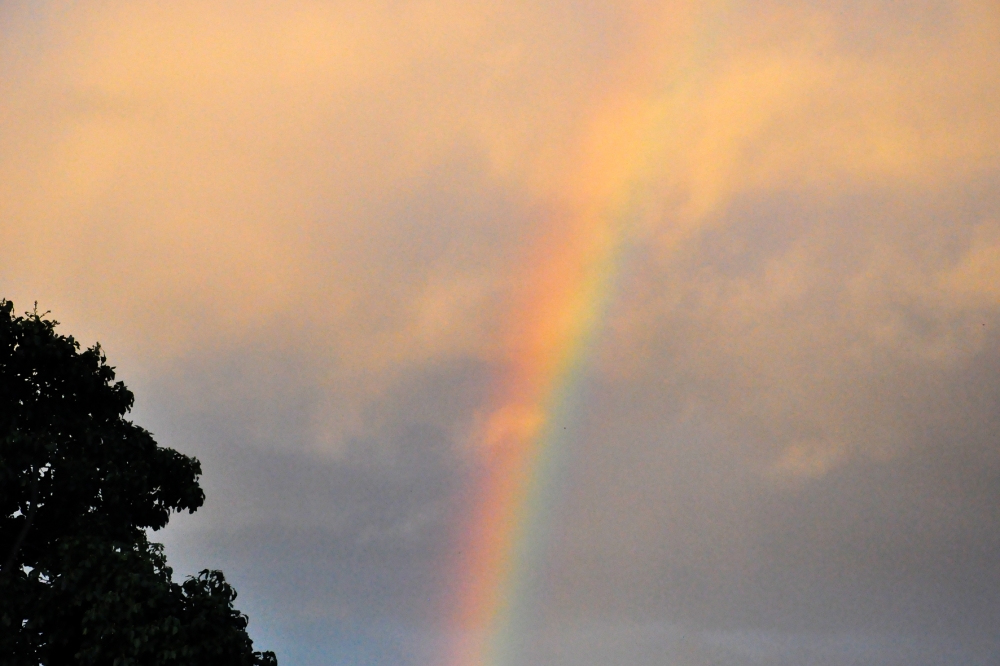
<point x="729" y="271"/>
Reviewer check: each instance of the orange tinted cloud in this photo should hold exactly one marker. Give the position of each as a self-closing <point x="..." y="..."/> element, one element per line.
<point x="191" y="175"/>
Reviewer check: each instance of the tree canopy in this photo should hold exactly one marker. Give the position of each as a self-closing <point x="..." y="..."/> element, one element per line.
<point x="79" y="486"/>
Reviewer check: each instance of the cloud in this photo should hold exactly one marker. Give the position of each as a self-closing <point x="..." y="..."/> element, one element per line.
<point x="329" y="212"/>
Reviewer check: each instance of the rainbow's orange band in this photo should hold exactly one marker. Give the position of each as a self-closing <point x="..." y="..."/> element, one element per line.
<point x="553" y="324"/>
<point x="519" y="433"/>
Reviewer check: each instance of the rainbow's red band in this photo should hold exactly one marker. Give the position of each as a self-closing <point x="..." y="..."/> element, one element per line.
<point x="552" y="325"/>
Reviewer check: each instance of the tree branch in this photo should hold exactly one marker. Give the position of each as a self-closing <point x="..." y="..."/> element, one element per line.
<point x="28" y="518"/>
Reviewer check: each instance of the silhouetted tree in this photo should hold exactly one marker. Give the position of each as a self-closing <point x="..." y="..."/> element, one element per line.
<point x="79" y="486"/>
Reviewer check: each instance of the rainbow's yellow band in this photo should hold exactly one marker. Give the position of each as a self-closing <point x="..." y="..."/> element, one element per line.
<point x="551" y="327"/>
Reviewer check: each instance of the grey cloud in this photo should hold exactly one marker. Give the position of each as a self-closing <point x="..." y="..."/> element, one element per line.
<point x="358" y="533"/>
<point x="654" y="644"/>
<point x="680" y="507"/>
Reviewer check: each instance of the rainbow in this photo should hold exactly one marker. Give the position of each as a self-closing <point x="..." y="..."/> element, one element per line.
<point x="524" y="437"/>
<point x="521" y="444"/>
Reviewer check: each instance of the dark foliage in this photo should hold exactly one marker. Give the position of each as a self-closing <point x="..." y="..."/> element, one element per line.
<point x="79" y="485"/>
